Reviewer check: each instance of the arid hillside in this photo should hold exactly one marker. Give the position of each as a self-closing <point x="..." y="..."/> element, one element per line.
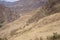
<point x="18" y="30"/>
<point x="40" y="24"/>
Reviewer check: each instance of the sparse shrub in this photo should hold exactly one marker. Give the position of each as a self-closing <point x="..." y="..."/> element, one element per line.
<point x="3" y="39"/>
<point x="1" y="23"/>
<point x="54" y="37"/>
<point x="0" y="26"/>
<point x="41" y="38"/>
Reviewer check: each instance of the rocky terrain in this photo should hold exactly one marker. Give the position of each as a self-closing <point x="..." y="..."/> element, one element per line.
<point x="38" y="24"/>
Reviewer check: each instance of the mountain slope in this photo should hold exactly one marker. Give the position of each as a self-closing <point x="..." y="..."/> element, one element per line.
<point x="25" y="6"/>
<point x="39" y="23"/>
<point x="7" y="14"/>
